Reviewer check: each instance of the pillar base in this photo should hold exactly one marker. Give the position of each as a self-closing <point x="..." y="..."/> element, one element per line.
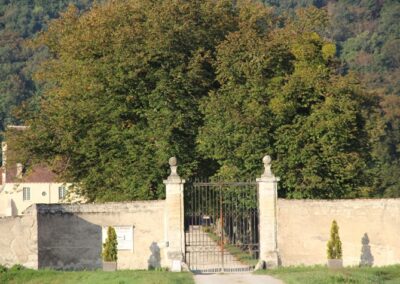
<point x="270" y="260"/>
<point x="175" y="255"/>
<point x="260" y="265"/>
<point x="175" y="259"/>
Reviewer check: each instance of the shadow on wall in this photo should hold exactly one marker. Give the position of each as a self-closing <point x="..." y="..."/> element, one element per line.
<point x="155" y="257"/>
<point x="366" y="258"/>
<point x="14" y="209"/>
<point x="8" y="207"/>
<point x="68" y="242"/>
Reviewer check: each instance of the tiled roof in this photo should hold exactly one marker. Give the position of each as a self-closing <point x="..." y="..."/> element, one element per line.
<point x="36" y="174"/>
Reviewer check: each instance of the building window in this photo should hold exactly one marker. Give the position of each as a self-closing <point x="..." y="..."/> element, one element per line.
<point x="62" y="192"/>
<point x="26" y="193"/>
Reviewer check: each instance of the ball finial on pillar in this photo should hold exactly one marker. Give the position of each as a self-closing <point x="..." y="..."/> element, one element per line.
<point x="267" y="166"/>
<point x="173" y="163"/>
<point x="267" y="159"/>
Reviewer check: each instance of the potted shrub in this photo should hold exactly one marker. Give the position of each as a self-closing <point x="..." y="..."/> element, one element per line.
<point x="334" y="248"/>
<point x="110" y="251"/>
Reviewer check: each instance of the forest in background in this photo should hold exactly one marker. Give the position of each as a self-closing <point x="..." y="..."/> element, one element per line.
<point x="366" y="35"/>
<point x="21" y="20"/>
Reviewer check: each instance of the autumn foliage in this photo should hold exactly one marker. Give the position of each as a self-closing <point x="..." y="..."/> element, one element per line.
<point x="216" y="83"/>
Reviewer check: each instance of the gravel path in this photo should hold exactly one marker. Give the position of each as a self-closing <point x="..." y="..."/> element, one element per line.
<point x="238" y="278"/>
<point x="203" y="254"/>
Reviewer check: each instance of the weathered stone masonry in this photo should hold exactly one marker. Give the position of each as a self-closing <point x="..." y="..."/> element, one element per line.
<point x="19" y="240"/>
<point x="368" y="228"/>
<point x="70" y="236"/>
<point x="292" y="232"/>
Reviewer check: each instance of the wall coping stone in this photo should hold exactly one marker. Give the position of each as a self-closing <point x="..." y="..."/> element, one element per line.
<point x="111" y="207"/>
<point x="5" y="218"/>
<point x="285" y="200"/>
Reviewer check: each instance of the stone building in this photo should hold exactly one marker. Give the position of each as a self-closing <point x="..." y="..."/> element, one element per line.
<point x="22" y="186"/>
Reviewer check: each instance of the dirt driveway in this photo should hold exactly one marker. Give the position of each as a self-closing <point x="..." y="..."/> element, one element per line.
<point x="235" y="278"/>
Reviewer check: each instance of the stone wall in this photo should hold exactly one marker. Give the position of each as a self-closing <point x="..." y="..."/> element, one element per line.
<point x="19" y="240"/>
<point x="4" y="204"/>
<point x="369" y="230"/>
<point x="64" y="236"/>
<point x="70" y="236"/>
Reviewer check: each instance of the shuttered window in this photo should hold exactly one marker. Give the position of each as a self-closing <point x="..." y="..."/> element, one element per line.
<point x="62" y="192"/>
<point x="26" y="193"/>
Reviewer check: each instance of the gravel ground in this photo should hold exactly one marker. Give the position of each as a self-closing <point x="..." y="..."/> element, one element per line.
<point x="238" y="278"/>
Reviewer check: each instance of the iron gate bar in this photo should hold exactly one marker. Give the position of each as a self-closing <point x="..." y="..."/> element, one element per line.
<point x="234" y="207"/>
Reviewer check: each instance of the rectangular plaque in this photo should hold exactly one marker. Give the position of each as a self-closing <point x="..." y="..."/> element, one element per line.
<point x="124" y="237"/>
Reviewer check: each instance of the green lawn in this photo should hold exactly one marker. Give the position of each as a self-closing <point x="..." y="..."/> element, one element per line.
<point x="28" y="276"/>
<point x="322" y="275"/>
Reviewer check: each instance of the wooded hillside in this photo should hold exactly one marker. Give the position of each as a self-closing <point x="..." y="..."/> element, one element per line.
<point x="21" y="20"/>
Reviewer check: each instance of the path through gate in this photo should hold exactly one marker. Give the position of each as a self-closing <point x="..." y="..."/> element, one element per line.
<point x="221" y="226"/>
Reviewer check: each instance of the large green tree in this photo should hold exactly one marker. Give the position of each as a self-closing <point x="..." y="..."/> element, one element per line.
<point x="367" y="35"/>
<point x="281" y="93"/>
<point x="122" y="89"/>
<point x="216" y="83"/>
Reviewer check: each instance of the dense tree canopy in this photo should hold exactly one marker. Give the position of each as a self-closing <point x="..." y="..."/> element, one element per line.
<point x="122" y="92"/>
<point x="281" y="93"/>
<point x="219" y="84"/>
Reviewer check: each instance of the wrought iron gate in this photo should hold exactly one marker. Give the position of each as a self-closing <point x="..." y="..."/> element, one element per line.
<point x="221" y="226"/>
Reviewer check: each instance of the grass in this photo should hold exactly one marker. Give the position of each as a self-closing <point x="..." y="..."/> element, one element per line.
<point x="323" y="275"/>
<point x="28" y="276"/>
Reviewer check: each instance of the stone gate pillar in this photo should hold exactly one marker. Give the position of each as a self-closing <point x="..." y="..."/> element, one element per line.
<point x="267" y="202"/>
<point x="174" y="214"/>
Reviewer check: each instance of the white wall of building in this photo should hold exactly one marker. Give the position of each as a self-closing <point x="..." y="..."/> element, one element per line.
<point x="12" y="198"/>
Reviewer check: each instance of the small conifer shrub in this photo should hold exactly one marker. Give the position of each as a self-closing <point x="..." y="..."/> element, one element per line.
<point x="3" y="269"/>
<point x="334" y="244"/>
<point x="110" y="246"/>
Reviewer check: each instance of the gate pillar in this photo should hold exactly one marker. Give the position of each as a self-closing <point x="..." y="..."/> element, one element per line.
<point x="174" y="218"/>
<point x="267" y="198"/>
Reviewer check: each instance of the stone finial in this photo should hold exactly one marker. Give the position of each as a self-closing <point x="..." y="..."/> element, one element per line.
<point x="173" y="163"/>
<point x="20" y="169"/>
<point x="173" y="177"/>
<point x="267" y="166"/>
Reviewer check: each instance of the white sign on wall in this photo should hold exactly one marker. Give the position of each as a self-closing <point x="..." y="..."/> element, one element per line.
<point x="124" y="237"/>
